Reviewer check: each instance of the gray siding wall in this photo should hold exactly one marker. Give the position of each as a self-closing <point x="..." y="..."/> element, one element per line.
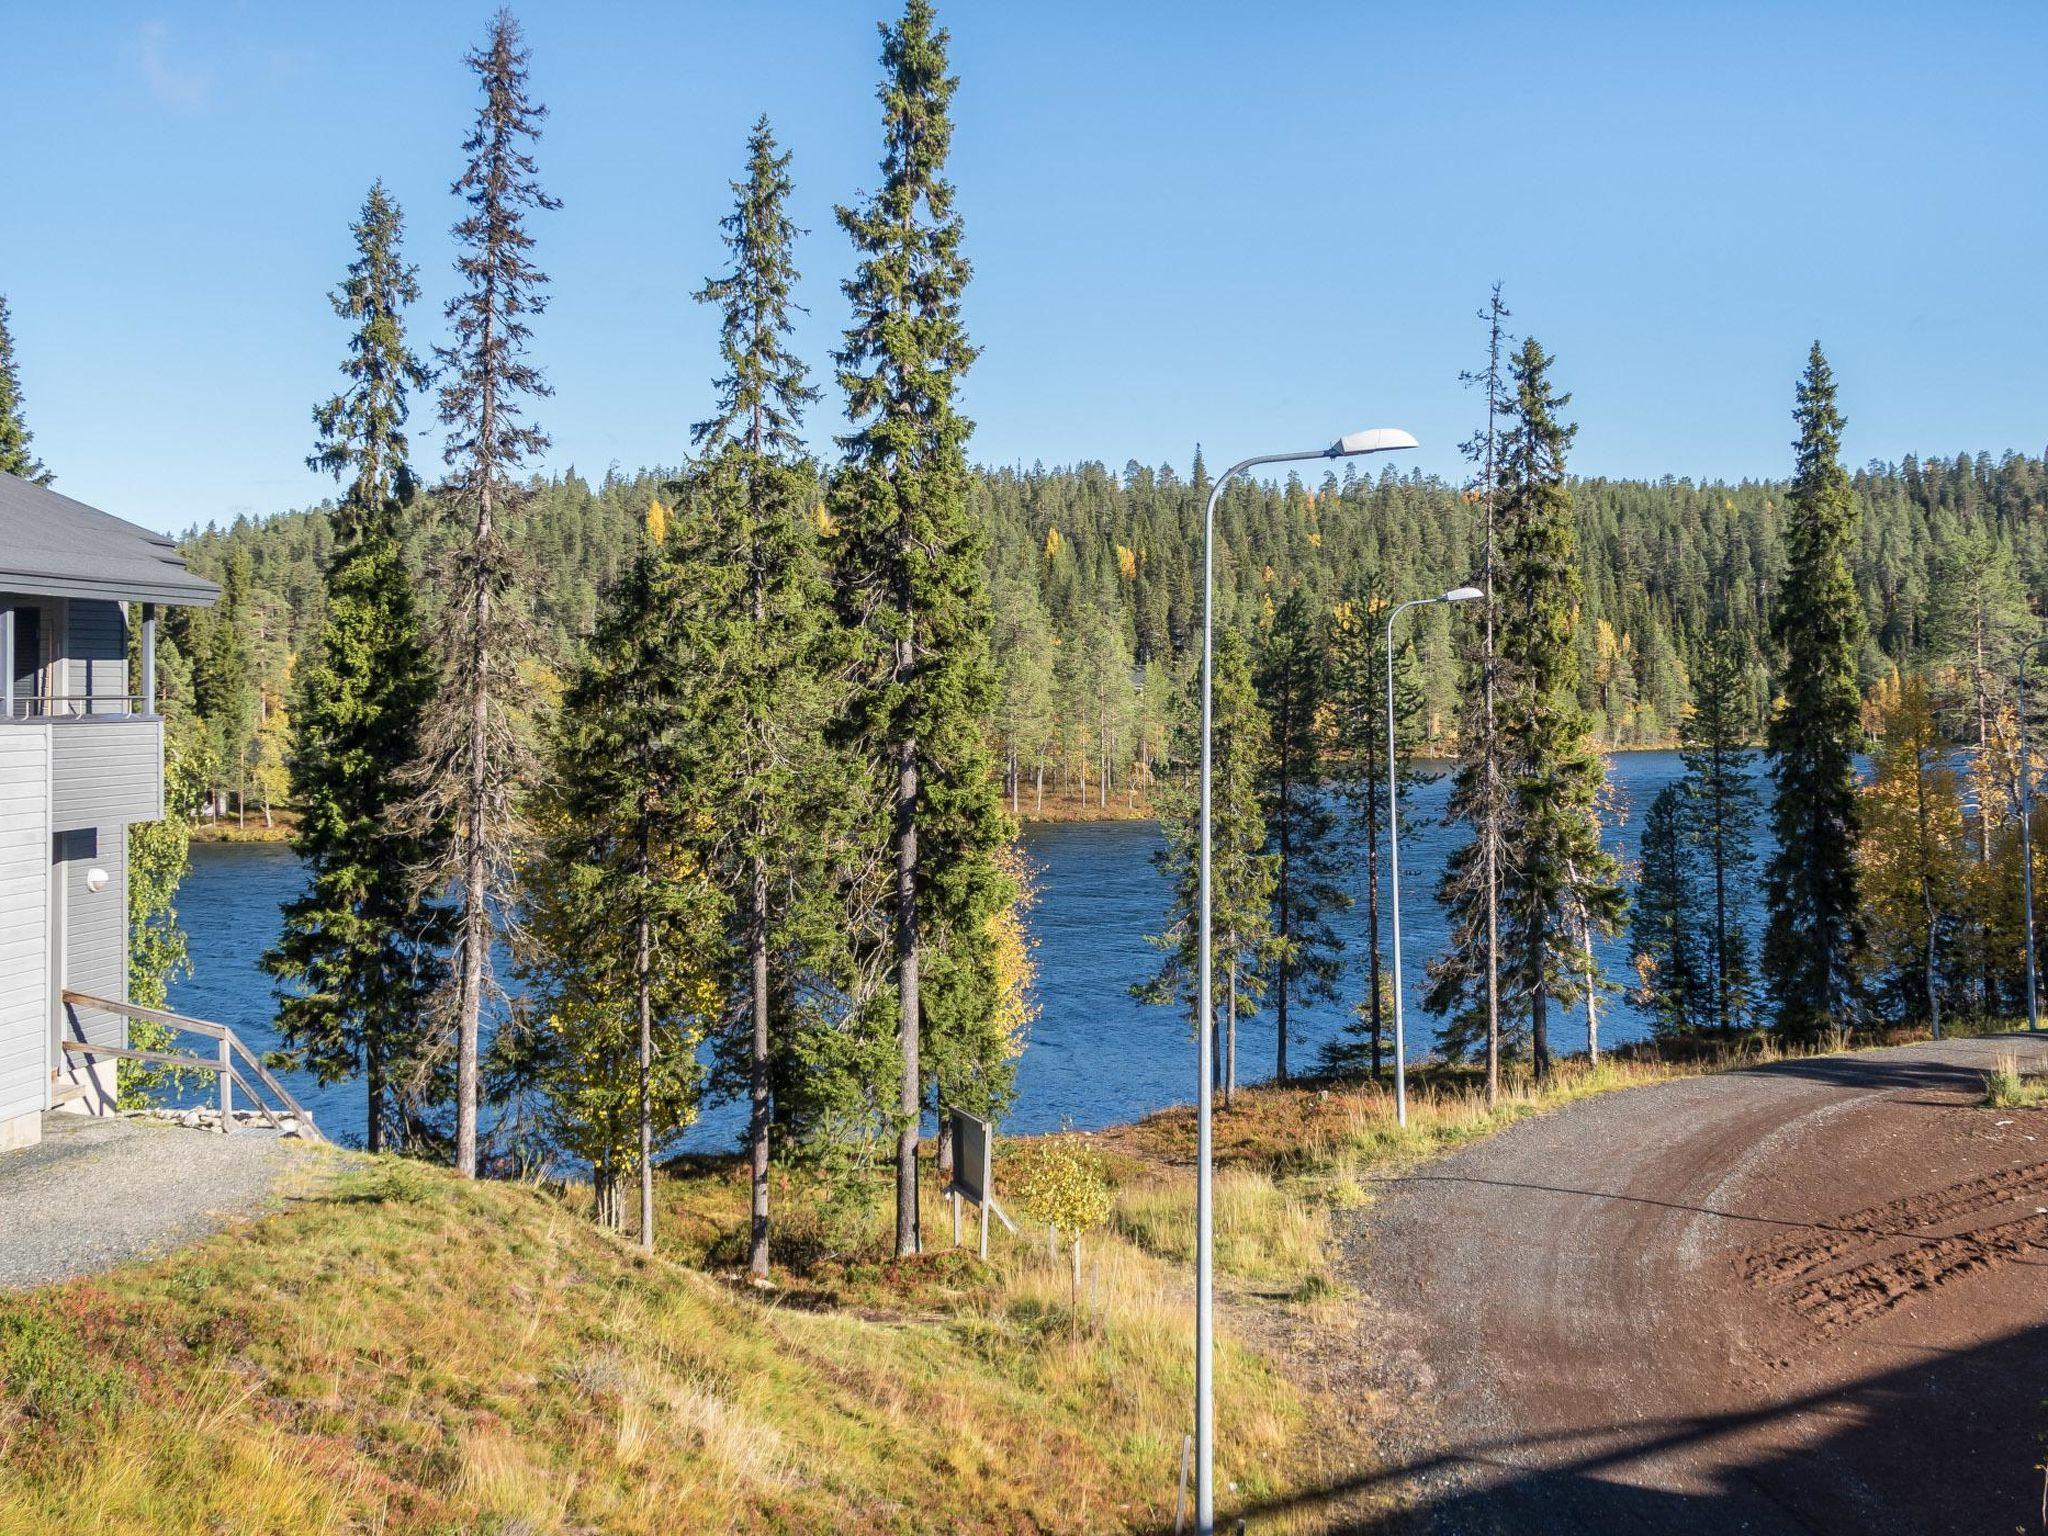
<point x="95" y="931"/>
<point x="106" y="773"/>
<point x="24" y="918"/>
<point x="95" y="663"/>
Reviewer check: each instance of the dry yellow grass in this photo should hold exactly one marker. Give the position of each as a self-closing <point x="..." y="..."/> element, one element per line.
<point x="402" y="1353"/>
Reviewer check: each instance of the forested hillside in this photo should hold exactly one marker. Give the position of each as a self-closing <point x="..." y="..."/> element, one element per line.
<point x="1096" y="580"/>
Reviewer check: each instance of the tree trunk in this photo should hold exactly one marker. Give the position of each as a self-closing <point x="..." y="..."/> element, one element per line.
<point x="1374" y="1022"/>
<point x="1539" y="1006"/>
<point x="1039" y="790"/>
<point x="945" y="1150"/>
<point x="1230" y="1038"/>
<point x="909" y="1098"/>
<point x="1285" y="907"/>
<point x="373" y="1074"/>
<point x="644" y="995"/>
<point x="757" y="1072"/>
<point x="476" y="916"/>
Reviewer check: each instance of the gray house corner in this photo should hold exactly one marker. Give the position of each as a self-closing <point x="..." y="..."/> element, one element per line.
<point x="81" y="760"/>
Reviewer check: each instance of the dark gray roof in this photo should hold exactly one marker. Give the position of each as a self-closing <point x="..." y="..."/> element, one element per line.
<point x="52" y="546"/>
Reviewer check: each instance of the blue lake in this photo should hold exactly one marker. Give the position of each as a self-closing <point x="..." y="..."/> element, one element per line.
<point x="1096" y="1057"/>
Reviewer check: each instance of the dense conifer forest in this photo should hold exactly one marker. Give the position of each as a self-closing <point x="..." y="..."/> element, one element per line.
<point x="1095" y="578"/>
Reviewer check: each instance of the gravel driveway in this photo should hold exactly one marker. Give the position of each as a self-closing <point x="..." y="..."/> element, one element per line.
<point x="97" y="1191"/>
<point x="1798" y="1298"/>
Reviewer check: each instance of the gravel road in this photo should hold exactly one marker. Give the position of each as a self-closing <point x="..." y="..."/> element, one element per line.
<point x="1799" y="1298"/>
<point x="95" y="1192"/>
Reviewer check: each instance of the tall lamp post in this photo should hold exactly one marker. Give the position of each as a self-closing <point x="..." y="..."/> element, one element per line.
<point x="1455" y="595"/>
<point x="2027" y="837"/>
<point x="1378" y="440"/>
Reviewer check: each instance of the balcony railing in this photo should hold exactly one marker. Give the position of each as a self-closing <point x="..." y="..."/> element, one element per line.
<point x="77" y="706"/>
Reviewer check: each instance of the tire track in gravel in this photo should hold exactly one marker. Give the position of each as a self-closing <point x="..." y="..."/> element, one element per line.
<point x="1636" y="1313"/>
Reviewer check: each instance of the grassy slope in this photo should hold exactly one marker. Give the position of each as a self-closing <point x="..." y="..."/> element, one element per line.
<point x="399" y="1352"/>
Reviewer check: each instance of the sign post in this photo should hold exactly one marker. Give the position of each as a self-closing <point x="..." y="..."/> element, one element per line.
<point x="974" y="1167"/>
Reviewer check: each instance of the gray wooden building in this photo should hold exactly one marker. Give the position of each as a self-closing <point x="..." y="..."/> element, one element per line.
<point x="81" y="760"/>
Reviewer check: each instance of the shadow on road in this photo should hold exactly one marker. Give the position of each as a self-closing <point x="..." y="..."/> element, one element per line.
<point x="1952" y="1442"/>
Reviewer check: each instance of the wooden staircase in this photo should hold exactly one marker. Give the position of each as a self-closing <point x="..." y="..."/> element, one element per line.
<point x="222" y="1062"/>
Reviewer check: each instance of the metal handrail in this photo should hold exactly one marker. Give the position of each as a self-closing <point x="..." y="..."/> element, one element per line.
<point x="78" y="706"/>
<point x="222" y="1065"/>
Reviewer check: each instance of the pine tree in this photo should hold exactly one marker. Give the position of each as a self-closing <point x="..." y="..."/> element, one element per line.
<point x="15" y="437"/>
<point x="1721" y="809"/>
<point x="913" y="586"/>
<point x="623" y="925"/>
<point x="473" y="750"/>
<point x="1672" y="986"/>
<point x="1557" y="875"/>
<point x="357" y="952"/>
<point x="1976" y="613"/>
<point x="1464" y="982"/>
<point x="753" y="645"/>
<point x="1814" y="939"/>
<point x="1913" y="856"/>
<point x="1358" y="711"/>
<point x="1292" y="679"/>
<point x="223" y="690"/>
<point x="1241" y="873"/>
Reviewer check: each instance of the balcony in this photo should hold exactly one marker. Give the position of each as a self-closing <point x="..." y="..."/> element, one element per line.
<point x="106" y="770"/>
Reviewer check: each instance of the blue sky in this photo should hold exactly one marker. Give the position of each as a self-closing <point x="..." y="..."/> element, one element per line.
<point x="1254" y="227"/>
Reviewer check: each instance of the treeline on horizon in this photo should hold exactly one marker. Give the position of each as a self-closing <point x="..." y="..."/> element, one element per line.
<point x="1095" y="577"/>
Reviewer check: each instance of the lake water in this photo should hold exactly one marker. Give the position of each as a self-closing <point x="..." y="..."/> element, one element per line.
<point x="1096" y="1056"/>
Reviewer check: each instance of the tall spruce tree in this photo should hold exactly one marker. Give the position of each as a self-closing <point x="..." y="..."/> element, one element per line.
<point x="473" y="747"/>
<point x="359" y="947"/>
<point x="1241" y="875"/>
<point x="754" y="646"/>
<point x="1814" y="939"/>
<point x="913" y="587"/>
<point x="1358" y="713"/>
<point x="1558" y="878"/>
<point x="624" y="920"/>
<point x="1720" y="819"/>
<point x="1464" y="982"/>
<point x="1292" y="682"/>
<point x="15" y="437"/>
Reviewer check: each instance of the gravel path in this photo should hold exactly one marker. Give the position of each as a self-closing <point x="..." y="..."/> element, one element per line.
<point x="1801" y="1298"/>
<point x="95" y="1192"/>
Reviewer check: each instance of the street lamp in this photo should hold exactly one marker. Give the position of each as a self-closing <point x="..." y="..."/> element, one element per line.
<point x="1351" y="445"/>
<point x="1455" y="595"/>
<point x="2027" y="838"/>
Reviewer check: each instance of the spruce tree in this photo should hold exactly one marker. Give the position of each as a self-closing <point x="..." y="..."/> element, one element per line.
<point x="15" y="437"/>
<point x="474" y="750"/>
<point x="359" y="946"/>
<point x="1557" y="877"/>
<point x="1358" y="712"/>
<point x="623" y="924"/>
<point x="753" y="645"/>
<point x="1721" y="815"/>
<point x="1292" y="682"/>
<point x="1241" y="873"/>
<point x="1670" y="984"/>
<point x="912" y="586"/>
<point x="1814" y="939"/>
<point x="1463" y="984"/>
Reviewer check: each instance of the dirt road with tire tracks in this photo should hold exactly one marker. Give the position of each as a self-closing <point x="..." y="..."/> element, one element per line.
<point x="1809" y="1297"/>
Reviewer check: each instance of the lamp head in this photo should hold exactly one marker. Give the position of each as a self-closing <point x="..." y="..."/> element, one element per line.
<point x="1462" y="595"/>
<point x="1373" y="440"/>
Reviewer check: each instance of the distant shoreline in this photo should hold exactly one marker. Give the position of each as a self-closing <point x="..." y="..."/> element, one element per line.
<point x="1065" y="811"/>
